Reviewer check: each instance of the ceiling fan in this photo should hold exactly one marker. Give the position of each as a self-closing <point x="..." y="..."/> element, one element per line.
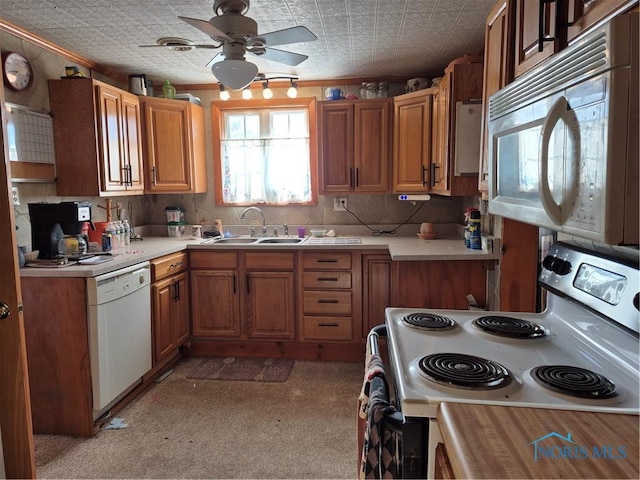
<point x="236" y="34"/>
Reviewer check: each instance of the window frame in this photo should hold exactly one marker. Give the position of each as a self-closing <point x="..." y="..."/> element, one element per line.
<point x="218" y="108"/>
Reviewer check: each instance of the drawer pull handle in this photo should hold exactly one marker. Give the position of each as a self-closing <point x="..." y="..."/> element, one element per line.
<point x="327" y="260"/>
<point x="328" y="300"/>
<point x="328" y="325"/>
<point x="327" y="279"/>
<point x="175" y="265"/>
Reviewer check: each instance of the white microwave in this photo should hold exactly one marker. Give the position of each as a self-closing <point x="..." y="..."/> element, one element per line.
<point x="563" y="139"/>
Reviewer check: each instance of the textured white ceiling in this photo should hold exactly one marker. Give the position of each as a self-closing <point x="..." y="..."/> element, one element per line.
<point x="393" y="39"/>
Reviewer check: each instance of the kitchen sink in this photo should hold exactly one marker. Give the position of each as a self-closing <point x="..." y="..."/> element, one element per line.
<point x="280" y="240"/>
<point x="254" y="240"/>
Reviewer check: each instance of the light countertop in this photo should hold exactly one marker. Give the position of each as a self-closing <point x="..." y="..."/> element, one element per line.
<point x="400" y="248"/>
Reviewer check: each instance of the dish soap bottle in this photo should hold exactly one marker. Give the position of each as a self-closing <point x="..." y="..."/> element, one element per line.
<point x="168" y="90"/>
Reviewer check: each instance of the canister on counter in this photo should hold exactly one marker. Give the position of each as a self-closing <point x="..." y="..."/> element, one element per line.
<point x="475" y="230"/>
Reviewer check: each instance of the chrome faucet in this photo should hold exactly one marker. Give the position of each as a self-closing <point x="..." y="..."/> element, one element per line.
<point x="264" y="224"/>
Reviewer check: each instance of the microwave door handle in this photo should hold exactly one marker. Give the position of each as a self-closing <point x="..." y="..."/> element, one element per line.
<point x="554" y="211"/>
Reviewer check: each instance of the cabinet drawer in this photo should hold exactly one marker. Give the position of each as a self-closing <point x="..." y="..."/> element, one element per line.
<point x="214" y="260"/>
<point x="326" y="261"/>
<point x="326" y="280"/>
<point x="168" y="265"/>
<point x="327" y="302"/>
<point x="277" y="261"/>
<point x="327" y="328"/>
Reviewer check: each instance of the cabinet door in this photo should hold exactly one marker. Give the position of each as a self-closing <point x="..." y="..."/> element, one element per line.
<point x="271" y="305"/>
<point x="180" y="319"/>
<point x="528" y="28"/>
<point x="111" y="139"/>
<point x="439" y="284"/>
<point x="498" y="72"/>
<point x="586" y="13"/>
<point x="372" y="153"/>
<point x="376" y="290"/>
<point x="412" y="142"/>
<point x="132" y="143"/>
<point x="441" y="136"/>
<point x="336" y="147"/>
<point x="167" y="146"/>
<point x="215" y="303"/>
<point x="163" y="294"/>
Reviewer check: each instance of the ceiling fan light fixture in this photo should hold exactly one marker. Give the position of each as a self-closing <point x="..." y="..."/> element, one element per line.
<point x="224" y="93"/>
<point x="267" y="93"/>
<point x="235" y="74"/>
<point x="292" y="92"/>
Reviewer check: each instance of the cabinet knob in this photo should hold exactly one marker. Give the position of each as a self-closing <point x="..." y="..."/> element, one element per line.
<point x="5" y="311"/>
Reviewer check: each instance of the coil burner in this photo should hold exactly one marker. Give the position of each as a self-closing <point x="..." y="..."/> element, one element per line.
<point x="574" y="381"/>
<point x="429" y="321"/>
<point x="510" y="327"/>
<point x="464" y="371"/>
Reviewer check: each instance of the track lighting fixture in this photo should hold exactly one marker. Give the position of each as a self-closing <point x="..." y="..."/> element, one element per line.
<point x="224" y="93"/>
<point x="292" y="92"/>
<point x="246" y="93"/>
<point x="267" y="93"/>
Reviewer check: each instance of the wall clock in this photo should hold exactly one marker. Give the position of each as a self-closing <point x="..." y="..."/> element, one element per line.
<point x="16" y="71"/>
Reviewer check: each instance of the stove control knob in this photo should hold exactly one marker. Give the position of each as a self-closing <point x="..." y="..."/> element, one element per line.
<point x="561" y="267"/>
<point x="548" y="262"/>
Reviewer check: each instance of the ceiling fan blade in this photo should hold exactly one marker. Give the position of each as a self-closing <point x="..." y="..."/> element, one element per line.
<point x="207" y="28"/>
<point x="186" y="47"/>
<point x="280" y="56"/>
<point x="288" y="35"/>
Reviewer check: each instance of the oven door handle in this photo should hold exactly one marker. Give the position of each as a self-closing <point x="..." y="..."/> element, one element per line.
<point x="392" y="420"/>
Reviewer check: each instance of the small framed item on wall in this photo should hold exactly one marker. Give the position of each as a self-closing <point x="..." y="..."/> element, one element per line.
<point x="17" y="73"/>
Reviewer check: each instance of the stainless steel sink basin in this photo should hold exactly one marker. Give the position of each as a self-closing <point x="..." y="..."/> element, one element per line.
<point x="280" y="240"/>
<point x="254" y="240"/>
<point x="234" y="241"/>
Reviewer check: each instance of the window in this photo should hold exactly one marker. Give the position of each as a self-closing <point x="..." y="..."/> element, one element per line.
<point x="264" y="152"/>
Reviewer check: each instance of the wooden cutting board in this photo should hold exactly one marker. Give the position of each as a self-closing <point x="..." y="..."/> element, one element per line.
<point x="511" y="442"/>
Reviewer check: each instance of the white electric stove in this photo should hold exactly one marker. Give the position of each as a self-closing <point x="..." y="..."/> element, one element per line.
<point x="581" y="353"/>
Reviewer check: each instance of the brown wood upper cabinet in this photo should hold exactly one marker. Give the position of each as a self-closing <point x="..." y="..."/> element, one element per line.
<point x="545" y="27"/>
<point x="498" y="71"/>
<point x="355" y="147"/>
<point x="97" y="135"/>
<point x="458" y="93"/>
<point x="412" y="141"/>
<point x="174" y="143"/>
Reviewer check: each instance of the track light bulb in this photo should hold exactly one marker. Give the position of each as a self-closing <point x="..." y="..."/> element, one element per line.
<point x="224" y="94"/>
<point x="292" y="92"/>
<point x="246" y="94"/>
<point x="267" y="93"/>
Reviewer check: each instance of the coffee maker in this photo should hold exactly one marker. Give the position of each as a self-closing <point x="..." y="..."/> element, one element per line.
<point x="50" y="222"/>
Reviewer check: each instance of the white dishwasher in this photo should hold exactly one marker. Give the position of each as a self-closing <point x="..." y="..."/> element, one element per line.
<point x="119" y="314"/>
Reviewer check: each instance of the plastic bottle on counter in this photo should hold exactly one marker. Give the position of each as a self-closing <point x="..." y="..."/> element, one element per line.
<point x="107" y="238"/>
<point x="127" y="232"/>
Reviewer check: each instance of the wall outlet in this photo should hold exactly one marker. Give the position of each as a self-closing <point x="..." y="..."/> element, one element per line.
<point x="16" y="197"/>
<point x="339" y="204"/>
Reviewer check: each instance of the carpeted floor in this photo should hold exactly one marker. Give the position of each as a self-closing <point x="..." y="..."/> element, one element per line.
<point x="185" y="428"/>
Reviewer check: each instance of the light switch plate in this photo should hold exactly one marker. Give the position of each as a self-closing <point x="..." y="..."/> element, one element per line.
<point x="16" y="197"/>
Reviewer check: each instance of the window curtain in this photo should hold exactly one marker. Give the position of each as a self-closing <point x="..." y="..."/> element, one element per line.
<point x="262" y="170"/>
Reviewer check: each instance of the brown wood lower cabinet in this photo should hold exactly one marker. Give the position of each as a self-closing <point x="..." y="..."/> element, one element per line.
<point x="440" y="283"/>
<point x="377" y="279"/>
<point x="170" y="304"/>
<point x="330" y="294"/>
<point x="241" y="295"/>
